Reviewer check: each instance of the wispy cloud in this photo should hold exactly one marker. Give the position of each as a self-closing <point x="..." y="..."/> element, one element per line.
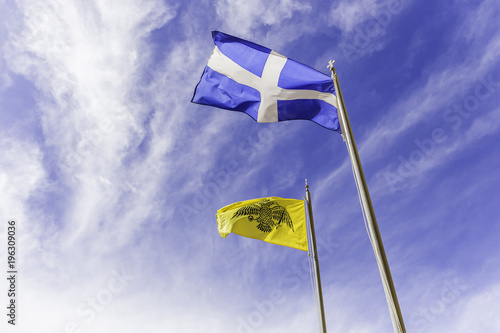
<point x="244" y="16"/>
<point x="431" y="99"/>
<point x="84" y="60"/>
<point x="21" y="164"/>
<point x="111" y="170"/>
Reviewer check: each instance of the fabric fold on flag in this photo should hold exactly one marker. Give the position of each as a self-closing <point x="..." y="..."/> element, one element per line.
<point x="269" y="87"/>
<point x="272" y="219"/>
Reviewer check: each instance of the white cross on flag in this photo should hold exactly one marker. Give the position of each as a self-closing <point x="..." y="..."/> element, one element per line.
<point x="246" y="77"/>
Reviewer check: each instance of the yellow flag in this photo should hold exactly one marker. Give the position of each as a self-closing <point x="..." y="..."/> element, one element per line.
<point x="273" y="220"/>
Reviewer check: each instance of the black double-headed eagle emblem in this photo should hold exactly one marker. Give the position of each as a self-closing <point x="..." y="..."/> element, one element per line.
<point x="268" y="214"/>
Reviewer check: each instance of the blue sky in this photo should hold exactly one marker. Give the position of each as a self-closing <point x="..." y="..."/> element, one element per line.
<point x="114" y="176"/>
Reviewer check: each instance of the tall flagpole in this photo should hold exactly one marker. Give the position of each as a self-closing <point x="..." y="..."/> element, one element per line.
<point x="368" y="212"/>
<point x="316" y="263"/>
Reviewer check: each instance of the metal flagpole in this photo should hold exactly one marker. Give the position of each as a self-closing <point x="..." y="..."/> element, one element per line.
<point x="316" y="263"/>
<point x="368" y="212"/>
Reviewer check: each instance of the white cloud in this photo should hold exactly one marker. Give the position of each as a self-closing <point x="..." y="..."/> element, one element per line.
<point x="244" y="16"/>
<point x="478" y="314"/>
<point x="21" y="176"/>
<point x="364" y="25"/>
<point x="347" y="15"/>
<point x="455" y="306"/>
<point x="84" y="59"/>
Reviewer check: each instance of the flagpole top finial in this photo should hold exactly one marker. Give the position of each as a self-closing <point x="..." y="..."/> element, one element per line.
<point x="330" y="66"/>
<point x="307" y="186"/>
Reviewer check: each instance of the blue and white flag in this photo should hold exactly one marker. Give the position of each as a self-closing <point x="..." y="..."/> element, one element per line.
<point x="246" y="77"/>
